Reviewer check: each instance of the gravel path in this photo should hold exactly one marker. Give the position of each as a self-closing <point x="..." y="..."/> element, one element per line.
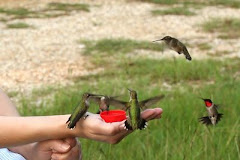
<point x="49" y="52"/>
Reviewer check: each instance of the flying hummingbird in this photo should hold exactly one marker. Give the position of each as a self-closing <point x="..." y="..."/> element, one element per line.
<point x="80" y="110"/>
<point x="213" y="116"/>
<point x="104" y="102"/>
<point x="133" y="107"/>
<point x="176" y="45"/>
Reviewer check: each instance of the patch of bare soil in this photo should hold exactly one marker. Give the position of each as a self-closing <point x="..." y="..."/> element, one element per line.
<point x="49" y="52"/>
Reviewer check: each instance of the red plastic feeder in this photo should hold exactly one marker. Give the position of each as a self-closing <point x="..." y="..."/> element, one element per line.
<point x="113" y="116"/>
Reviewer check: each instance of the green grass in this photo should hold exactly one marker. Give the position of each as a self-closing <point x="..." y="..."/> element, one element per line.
<point x="49" y="11"/>
<point x="114" y="50"/>
<point x="3" y="20"/>
<point x="68" y="7"/>
<point x="174" y="11"/>
<point x="18" y="25"/>
<point x="17" y="12"/>
<point x="226" y="3"/>
<point x="178" y="134"/>
<point x="227" y="28"/>
<point x="204" y="46"/>
<point x="118" y="46"/>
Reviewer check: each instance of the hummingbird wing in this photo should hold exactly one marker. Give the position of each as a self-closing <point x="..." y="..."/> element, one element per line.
<point x="219" y="116"/>
<point x="95" y="99"/>
<point x="205" y="120"/>
<point x="148" y="102"/>
<point x="217" y="106"/>
<point x="117" y="103"/>
<point x="127" y="125"/>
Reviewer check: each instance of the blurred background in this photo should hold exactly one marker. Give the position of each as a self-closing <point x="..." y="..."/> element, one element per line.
<point x="53" y="51"/>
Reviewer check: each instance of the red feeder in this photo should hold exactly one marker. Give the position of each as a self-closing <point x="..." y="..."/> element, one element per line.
<point x="113" y="116"/>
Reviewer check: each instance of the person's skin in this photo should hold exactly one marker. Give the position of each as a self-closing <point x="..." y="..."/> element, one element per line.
<point x="24" y="130"/>
<point x="65" y="149"/>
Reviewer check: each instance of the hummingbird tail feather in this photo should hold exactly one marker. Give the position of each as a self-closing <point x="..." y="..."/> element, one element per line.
<point x="143" y="124"/>
<point x="186" y="53"/>
<point x="71" y="125"/>
<point x="205" y="120"/>
<point x="128" y="126"/>
<point x="189" y="58"/>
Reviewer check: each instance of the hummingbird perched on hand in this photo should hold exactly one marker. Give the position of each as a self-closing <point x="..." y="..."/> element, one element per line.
<point x="104" y="102"/>
<point x="133" y="107"/>
<point x="176" y="45"/>
<point x="80" y="110"/>
<point x="213" y="116"/>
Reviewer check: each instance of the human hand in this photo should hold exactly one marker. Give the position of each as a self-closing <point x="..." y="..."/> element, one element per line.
<point x="65" y="149"/>
<point x="93" y="127"/>
<point x="73" y="154"/>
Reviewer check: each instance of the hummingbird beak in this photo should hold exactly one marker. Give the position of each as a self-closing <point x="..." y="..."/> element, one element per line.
<point x="157" y="40"/>
<point x="201" y="98"/>
<point x="95" y="95"/>
<point x="129" y="90"/>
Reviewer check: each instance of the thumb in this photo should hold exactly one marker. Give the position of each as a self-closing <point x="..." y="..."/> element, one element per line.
<point x="56" y="145"/>
<point x="72" y="141"/>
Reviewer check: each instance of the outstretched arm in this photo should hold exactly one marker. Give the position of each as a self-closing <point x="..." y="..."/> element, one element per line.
<point x="22" y="130"/>
<point x="7" y="108"/>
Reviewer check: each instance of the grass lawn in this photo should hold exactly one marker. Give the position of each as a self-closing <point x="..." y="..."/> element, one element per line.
<point x="178" y="135"/>
<point x="174" y="11"/>
<point x="225" y="3"/>
<point x="18" y="25"/>
<point x="226" y="27"/>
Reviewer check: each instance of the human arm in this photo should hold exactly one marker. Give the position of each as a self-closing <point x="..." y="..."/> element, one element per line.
<point x="22" y="130"/>
<point x="67" y="149"/>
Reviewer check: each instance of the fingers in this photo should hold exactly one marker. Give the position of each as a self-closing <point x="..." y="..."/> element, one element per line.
<point x="118" y="137"/>
<point x="113" y="139"/>
<point x="96" y="129"/>
<point x="107" y="129"/>
<point x="71" y="141"/>
<point x="55" y="145"/>
<point x="73" y="154"/>
<point x="150" y="114"/>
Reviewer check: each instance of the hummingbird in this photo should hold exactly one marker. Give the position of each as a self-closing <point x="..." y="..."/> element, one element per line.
<point x="104" y="102"/>
<point x="213" y="116"/>
<point x="80" y="110"/>
<point x="176" y="45"/>
<point x="133" y="107"/>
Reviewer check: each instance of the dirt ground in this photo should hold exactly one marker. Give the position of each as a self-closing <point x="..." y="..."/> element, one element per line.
<point x="49" y="53"/>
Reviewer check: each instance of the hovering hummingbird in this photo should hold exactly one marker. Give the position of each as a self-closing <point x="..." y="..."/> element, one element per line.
<point x="176" y="45"/>
<point x="213" y="116"/>
<point x="104" y="102"/>
<point x="80" y="110"/>
<point x="133" y="107"/>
